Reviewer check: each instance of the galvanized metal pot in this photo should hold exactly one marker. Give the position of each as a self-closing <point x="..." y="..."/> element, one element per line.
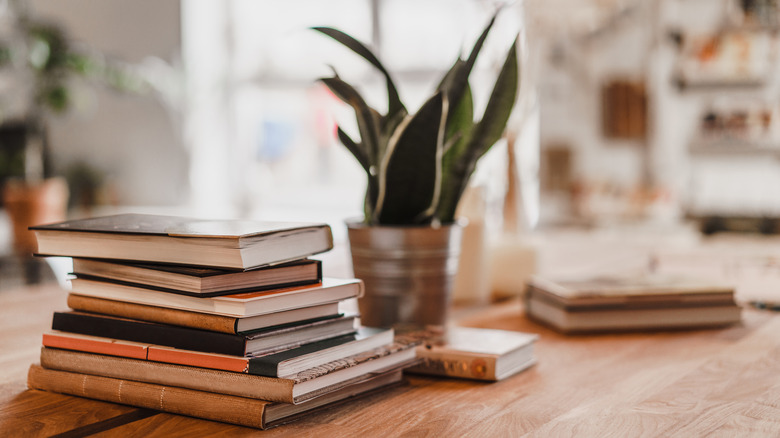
<point x="408" y="272"/>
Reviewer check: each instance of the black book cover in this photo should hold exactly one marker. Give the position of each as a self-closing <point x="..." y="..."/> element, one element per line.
<point x="169" y="335"/>
<point x="206" y="294"/>
<point x="149" y="332"/>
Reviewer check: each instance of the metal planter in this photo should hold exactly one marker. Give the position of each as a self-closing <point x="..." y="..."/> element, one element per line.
<point x="408" y="272"/>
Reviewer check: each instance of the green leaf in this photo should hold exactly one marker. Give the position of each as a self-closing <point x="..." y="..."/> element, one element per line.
<point x="456" y="80"/>
<point x="355" y="148"/>
<point x="486" y="132"/>
<point x="365" y="115"/>
<point x="394" y="101"/>
<point x="499" y="106"/>
<point x="360" y="154"/>
<point x="409" y="177"/>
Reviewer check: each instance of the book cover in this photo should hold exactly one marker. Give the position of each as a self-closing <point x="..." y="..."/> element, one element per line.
<point x="198" y="320"/>
<point x="597" y="320"/>
<point x="297" y="388"/>
<point x="630" y="291"/>
<point x="196" y="281"/>
<point x="215" y="243"/>
<point x="242" y="411"/>
<point x="475" y="353"/>
<point x="291" y="362"/>
<point x="237" y="305"/>
<point x="271" y="339"/>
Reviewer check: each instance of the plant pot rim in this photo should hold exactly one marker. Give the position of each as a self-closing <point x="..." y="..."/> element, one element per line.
<point x="357" y="223"/>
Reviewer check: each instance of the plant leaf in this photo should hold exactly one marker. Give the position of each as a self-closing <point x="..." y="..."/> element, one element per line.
<point x="485" y="133"/>
<point x="455" y="81"/>
<point x="409" y="176"/>
<point x="364" y="115"/>
<point x="355" y="148"/>
<point x="394" y="101"/>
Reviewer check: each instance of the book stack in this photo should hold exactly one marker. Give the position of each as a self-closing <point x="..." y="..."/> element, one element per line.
<point x="617" y="303"/>
<point x="221" y="320"/>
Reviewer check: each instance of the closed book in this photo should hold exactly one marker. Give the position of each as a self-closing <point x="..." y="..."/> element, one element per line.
<point x="610" y="320"/>
<point x="630" y="291"/>
<point x="475" y="353"/>
<point x="192" y="280"/>
<point x="242" y="411"/>
<point x="199" y="320"/>
<point x="618" y="303"/>
<point x="236" y="305"/>
<point x="282" y="364"/>
<point x="266" y="340"/>
<point x="232" y="244"/>
<point x="297" y="388"/>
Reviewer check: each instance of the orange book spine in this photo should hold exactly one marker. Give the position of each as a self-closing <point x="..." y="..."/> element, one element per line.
<point x="110" y="347"/>
<point x="216" y="323"/>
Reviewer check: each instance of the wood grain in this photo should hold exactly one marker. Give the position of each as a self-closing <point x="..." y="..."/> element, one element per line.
<point x="718" y="382"/>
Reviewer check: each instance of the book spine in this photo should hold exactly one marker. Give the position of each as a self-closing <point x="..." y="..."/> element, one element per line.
<point x="162" y="315"/>
<point x="201" y="379"/>
<point x="129" y="330"/>
<point x="96" y="345"/>
<point x="225" y="408"/>
<point x="450" y="364"/>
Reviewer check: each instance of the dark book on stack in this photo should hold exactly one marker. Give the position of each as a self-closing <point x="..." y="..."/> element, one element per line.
<point x="199" y="281"/>
<point x="183" y="315"/>
<point x="629" y="303"/>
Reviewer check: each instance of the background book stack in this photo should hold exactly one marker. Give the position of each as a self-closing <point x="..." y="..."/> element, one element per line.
<point x="630" y="303"/>
<point x="222" y="320"/>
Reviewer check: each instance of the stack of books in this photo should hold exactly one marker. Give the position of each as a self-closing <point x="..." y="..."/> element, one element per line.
<point x="617" y="303"/>
<point x="222" y="320"/>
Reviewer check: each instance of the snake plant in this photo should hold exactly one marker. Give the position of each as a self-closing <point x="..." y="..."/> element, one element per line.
<point x="418" y="165"/>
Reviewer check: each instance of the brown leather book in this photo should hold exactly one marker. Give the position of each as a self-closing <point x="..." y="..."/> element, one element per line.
<point x="204" y="321"/>
<point x="206" y="405"/>
<point x="295" y="389"/>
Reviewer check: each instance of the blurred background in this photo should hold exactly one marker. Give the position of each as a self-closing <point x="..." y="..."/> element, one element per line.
<point x="639" y="114"/>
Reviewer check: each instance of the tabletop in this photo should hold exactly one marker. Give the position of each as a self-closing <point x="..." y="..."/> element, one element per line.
<point x="714" y="382"/>
<point x="720" y="382"/>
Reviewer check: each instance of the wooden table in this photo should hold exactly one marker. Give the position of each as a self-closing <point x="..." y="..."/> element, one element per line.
<point x="723" y="382"/>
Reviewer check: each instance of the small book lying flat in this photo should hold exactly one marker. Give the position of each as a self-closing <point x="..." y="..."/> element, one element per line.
<point x="198" y="320"/>
<point x="243" y="411"/>
<point x="237" y="305"/>
<point x="262" y="341"/>
<point x="629" y="303"/>
<point x="280" y="364"/>
<point x="475" y="353"/>
<point x="166" y="239"/>
<point x="191" y="280"/>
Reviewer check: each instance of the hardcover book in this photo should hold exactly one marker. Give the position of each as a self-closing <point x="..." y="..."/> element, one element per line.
<point x="198" y="320"/>
<point x="242" y="411"/>
<point x="280" y="364"/>
<point x="236" y="305"/>
<point x="176" y="240"/>
<point x="629" y="303"/>
<point x="475" y="353"/>
<point x="261" y="341"/>
<point x="297" y="388"/>
<point x="191" y="280"/>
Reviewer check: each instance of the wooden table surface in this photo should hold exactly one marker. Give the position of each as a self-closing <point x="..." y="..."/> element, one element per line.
<point x="722" y="382"/>
<point x="706" y="382"/>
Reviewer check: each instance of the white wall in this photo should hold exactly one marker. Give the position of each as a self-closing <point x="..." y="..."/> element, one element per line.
<point x="130" y="137"/>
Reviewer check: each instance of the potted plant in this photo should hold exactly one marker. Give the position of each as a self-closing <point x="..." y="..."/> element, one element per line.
<point x="417" y="166"/>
